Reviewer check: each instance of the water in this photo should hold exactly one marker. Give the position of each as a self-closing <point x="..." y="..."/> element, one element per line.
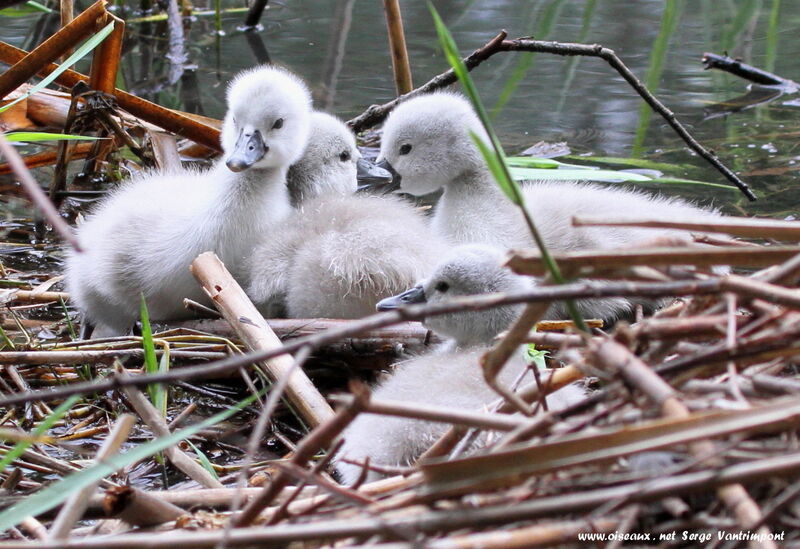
<point x="340" y="48"/>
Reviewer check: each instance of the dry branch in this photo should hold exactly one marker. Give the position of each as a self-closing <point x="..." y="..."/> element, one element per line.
<point x="581" y="290"/>
<point x="377" y="113"/>
<point x="318" y="439"/>
<point x="736" y="226"/>
<point x="614" y="357"/>
<point x="254" y="331"/>
<point x="529" y="262"/>
<point x="139" y="508"/>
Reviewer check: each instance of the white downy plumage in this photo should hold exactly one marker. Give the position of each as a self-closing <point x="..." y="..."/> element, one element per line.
<point x="143" y="238"/>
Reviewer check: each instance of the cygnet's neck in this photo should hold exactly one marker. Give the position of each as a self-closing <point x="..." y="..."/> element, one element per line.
<point x="474" y="209"/>
<point x="250" y="190"/>
<point x="244" y="207"/>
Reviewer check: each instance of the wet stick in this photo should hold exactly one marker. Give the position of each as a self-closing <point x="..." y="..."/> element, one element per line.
<point x="397" y="47"/>
<point x="179" y="123"/>
<point x="51" y="49"/>
<point x="251" y="327"/>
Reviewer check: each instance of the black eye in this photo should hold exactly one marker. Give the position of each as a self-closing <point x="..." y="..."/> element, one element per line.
<point x="441" y="286"/>
<point x="278" y="124"/>
<point x="405" y="149"/>
<point x="345" y="156"/>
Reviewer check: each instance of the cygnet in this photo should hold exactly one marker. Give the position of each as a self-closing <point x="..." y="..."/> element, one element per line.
<point x="142" y="239"/>
<point x="338" y="254"/>
<point x="449" y="375"/>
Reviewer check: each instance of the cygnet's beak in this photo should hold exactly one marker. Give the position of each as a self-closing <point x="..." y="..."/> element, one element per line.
<point x="368" y="174"/>
<point x="386" y="185"/>
<point x="409" y="297"/>
<point x="249" y="149"/>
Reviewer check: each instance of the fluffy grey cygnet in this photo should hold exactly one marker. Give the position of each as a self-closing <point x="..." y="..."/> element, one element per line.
<point x="426" y="140"/>
<point x="338" y="254"/>
<point x="143" y="238"/>
<point x="449" y="375"/>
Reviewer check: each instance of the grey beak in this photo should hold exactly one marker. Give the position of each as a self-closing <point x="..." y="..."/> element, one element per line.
<point x="248" y="150"/>
<point x="386" y="185"/>
<point x="370" y="174"/>
<point x="409" y="297"/>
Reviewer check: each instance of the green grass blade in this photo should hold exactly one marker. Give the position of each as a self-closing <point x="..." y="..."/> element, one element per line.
<point x="56" y="493"/>
<point x="606" y="176"/>
<point x="680" y="181"/>
<point x="505" y="181"/>
<point x="495" y="157"/>
<point x="85" y="48"/>
<point x="203" y="459"/>
<point x="35" y="137"/>
<point x="499" y="171"/>
<point x="150" y="361"/>
<point x="541" y="163"/>
<point x="37" y="6"/>
<point x="40" y="429"/>
<point x="25" y="10"/>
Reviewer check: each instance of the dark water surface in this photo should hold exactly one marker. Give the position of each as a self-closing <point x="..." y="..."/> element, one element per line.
<point x="340" y="48"/>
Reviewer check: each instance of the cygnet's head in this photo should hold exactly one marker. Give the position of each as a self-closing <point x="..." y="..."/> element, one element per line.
<point x="466" y="270"/>
<point x="267" y="123"/>
<point x="427" y="142"/>
<point x="331" y="163"/>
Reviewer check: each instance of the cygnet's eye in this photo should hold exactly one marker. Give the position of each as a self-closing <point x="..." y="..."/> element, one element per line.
<point x="345" y="156"/>
<point x="405" y="149"/>
<point x="278" y="124"/>
<point x="442" y="286"/>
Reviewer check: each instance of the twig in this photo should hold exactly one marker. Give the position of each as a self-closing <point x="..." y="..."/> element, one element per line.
<point x="318" y="439"/>
<point x="139" y="508"/>
<point x="77" y="503"/>
<point x="448" y="520"/>
<point x="494" y="359"/>
<point x="582" y="290"/>
<point x="432" y="412"/>
<point x="36" y="194"/>
<point x="612" y="356"/>
<point x="528" y="262"/>
<point x="377" y="113"/>
<point x="82" y="357"/>
<point x="736" y="226"/>
<point x="150" y="415"/>
<point x="743" y="70"/>
<point x="254" y="13"/>
<point x="611" y="58"/>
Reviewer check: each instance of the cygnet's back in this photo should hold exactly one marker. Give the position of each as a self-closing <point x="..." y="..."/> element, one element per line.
<point x="427" y="142"/>
<point x="450" y="375"/>
<point x="338" y="253"/>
